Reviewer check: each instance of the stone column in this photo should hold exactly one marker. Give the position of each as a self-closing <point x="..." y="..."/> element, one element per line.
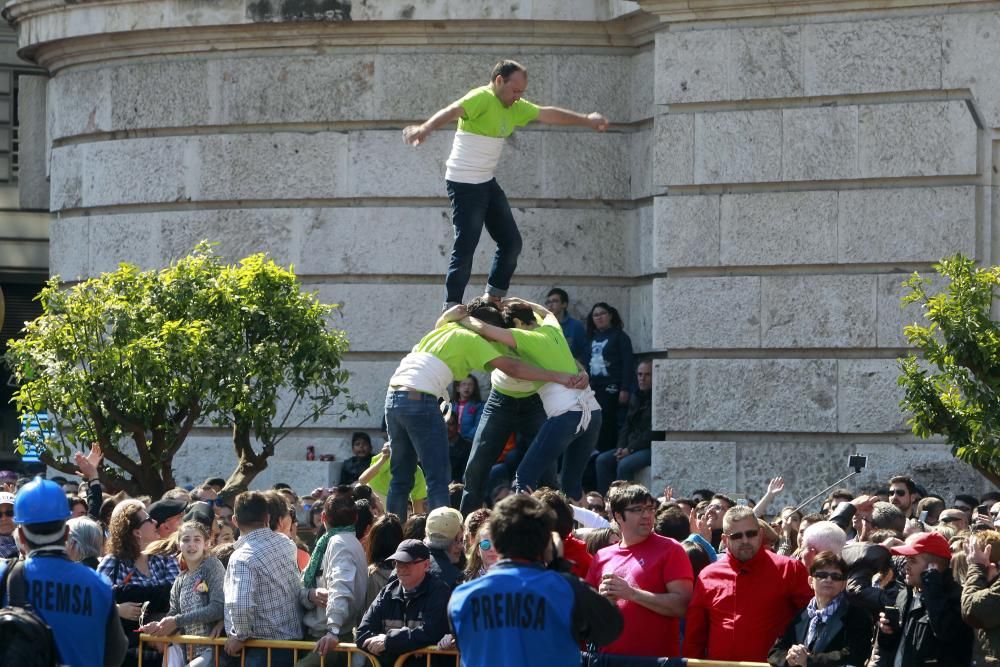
<point x="275" y="126"/>
<point x="809" y="156"/>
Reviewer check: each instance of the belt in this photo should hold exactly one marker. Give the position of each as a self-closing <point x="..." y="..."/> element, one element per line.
<point x="411" y="394"/>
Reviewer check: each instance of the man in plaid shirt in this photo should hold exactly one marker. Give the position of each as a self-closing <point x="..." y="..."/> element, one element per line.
<point x="263" y="588"/>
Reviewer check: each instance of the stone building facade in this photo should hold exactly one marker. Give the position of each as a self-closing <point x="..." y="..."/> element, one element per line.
<point x="774" y="171"/>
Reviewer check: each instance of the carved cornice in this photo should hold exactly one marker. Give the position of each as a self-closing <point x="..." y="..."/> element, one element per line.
<point x="698" y="10"/>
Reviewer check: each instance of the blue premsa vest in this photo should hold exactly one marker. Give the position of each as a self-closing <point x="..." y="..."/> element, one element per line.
<point x="74" y="600"/>
<point x="517" y="614"/>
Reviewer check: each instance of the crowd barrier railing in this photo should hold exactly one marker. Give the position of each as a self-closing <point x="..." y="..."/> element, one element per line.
<point x="299" y="648"/>
<point x="432" y="651"/>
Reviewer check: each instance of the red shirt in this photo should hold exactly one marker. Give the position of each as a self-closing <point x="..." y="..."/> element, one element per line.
<point x="575" y="551"/>
<point x="649" y="565"/>
<point x="739" y="609"/>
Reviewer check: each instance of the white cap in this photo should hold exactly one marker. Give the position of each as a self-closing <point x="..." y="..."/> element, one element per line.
<point x="6" y="498"/>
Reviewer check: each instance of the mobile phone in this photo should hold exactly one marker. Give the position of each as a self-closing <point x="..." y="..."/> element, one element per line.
<point x="983" y="510"/>
<point x="892" y="615"/>
<point x="857" y="461"/>
<point x="923" y="517"/>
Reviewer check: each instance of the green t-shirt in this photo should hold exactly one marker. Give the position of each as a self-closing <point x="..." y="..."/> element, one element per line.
<point x="486" y="115"/>
<point x="380" y="482"/>
<point x="546" y="347"/>
<point x="460" y="349"/>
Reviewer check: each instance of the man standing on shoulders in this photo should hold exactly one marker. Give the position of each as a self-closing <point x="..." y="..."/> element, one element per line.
<point x="486" y="116"/>
<point x="744" y="601"/>
<point x="520" y="611"/>
<point x="647" y="575"/>
<point x="557" y="301"/>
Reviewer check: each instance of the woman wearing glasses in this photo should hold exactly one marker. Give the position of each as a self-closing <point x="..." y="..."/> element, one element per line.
<point x="829" y="631"/>
<point x="141" y="582"/>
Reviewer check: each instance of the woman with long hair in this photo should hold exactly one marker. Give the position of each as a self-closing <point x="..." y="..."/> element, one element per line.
<point x="141" y="582"/>
<point x="480" y="554"/>
<point x="380" y="543"/>
<point x="612" y="372"/>
<point x="196" y="598"/>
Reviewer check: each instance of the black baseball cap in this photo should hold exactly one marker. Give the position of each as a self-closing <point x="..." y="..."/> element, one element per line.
<point x="166" y="509"/>
<point x="411" y="551"/>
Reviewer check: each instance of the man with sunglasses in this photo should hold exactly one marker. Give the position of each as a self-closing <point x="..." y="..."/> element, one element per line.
<point x="8" y="548"/>
<point x="646" y="575"/>
<point x="903" y="494"/>
<point x="744" y="601"/>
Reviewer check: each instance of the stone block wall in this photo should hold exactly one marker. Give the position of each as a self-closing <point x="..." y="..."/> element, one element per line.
<point x="768" y="182"/>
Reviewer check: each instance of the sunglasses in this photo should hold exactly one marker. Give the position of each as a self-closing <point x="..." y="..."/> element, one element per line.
<point x="898" y="492"/>
<point x="748" y="534"/>
<point x="9" y="513"/>
<point x="485" y="545"/>
<point x="148" y="519"/>
<point x="835" y="576"/>
<point x="950" y="519"/>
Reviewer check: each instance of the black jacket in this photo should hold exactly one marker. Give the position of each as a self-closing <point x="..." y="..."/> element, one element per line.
<point x="409" y="620"/>
<point x="932" y="631"/>
<point x="845" y="640"/>
<point x="637" y="432"/>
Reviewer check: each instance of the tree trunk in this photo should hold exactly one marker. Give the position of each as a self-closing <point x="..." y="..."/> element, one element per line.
<point x="992" y="475"/>
<point x="250" y="465"/>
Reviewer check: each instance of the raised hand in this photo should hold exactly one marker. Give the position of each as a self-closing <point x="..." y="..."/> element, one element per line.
<point x="87" y="465"/>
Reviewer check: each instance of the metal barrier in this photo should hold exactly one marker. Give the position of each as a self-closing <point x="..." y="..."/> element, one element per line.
<point x="689" y="662"/>
<point x="296" y="647"/>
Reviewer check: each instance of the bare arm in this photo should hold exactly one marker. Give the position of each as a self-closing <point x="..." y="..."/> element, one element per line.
<point x="453" y="314"/>
<point x="523" y="371"/>
<point x="540" y="310"/>
<point x="373" y="469"/>
<point x="416" y="134"/>
<point x="490" y="332"/>
<point x="557" y="116"/>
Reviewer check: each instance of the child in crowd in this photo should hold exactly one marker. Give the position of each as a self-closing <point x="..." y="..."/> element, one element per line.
<point x="467" y="404"/>
<point x="361" y="448"/>
<point x="196" y="599"/>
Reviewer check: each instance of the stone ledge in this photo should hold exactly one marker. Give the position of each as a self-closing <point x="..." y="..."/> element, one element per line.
<point x="672" y="11"/>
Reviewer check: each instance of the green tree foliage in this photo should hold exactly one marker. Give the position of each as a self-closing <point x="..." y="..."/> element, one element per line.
<point x="953" y="390"/>
<point x="135" y="359"/>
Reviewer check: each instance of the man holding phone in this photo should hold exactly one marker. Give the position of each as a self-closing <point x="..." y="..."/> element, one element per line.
<point x="929" y="629"/>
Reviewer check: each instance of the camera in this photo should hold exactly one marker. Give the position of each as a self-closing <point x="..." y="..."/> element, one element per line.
<point x="857" y="461"/>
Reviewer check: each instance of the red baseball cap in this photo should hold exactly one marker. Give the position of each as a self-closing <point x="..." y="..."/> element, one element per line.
<point x="924" y="543"/>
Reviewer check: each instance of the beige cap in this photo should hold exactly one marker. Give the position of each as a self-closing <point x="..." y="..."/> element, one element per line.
<point x="444" y="523"/>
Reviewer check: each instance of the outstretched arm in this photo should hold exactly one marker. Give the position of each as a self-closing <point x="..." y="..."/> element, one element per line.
<point x="416" y="134"/>
<point x="490" y="331"/>
<point x="557" y="116"/>
<point x="523" y="371"/>
<point x="538" y="309"/>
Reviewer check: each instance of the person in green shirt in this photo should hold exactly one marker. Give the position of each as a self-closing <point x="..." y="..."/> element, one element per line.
<point x="573" y="415"/>
<point x="486" y="116"/>
<point x="378" y="477"/>
<point x="420" y="382"/>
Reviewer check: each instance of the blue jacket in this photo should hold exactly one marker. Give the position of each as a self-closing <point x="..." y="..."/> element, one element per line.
<point x="522" y="614"/>
<point x="78" y="605"/>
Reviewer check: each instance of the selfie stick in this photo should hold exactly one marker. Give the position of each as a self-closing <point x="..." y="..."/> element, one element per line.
<point x="829" y="488"/>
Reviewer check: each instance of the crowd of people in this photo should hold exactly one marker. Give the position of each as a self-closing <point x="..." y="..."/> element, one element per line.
<point x="890" y="577"/>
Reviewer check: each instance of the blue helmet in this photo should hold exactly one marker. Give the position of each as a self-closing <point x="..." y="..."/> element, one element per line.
<point x="40" y="501"/>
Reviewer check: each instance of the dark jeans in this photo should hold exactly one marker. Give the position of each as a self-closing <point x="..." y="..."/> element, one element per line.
<point x="472" y="206"/>
<point x="607" y="398"/>
<point x="610" y="469"/>
<point x="417" y="431"/>
<point x="559" y="437"/>
<point x="502" y="415"/>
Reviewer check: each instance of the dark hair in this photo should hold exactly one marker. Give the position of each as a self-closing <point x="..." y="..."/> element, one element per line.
<point x="520" y="311"/>
<point x="521" y="527"/>
<point x="476" y="394"/>
<point x="383" y="538"/>
<point x="621" y="497"/>
<point x="616" y="319"/>
<point x="46" y="528"/>
<point x="361" y="435"/>
<point x="702" y="494"/>
<point x="726" y="499"/>
<point x="251" y="507"/>
<point x="359" y="491"/>
<point x="215" y="481"/>
<point x="365" y="518"/>
<point x="505" y="68"/>
<point x="77" y="500"/>
<point x="483" y="309"/>
<point x="415" y="527"/>
<point x="967" y="499"/>
<point x="844" y="494"/>
<point x="698" y="557"/>
<point x="279" y="486"/>
<point x="599" y="538"/>
<point x="911" y="486"/>
<point x="827" y="559"/>
<point x="561" y="293"/>
<point x="340" y="509"/>
<point x="813" y="518"/>
<point x="277" y="507"/>
<point x="672" y="522"/>
<point x="557" y="502"/>
<point x="989" y="497"/>
<point x="223" y="552"/>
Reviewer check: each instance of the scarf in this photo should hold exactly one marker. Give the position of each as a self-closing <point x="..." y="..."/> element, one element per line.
<point x="319" y="551"/>
<point x="819" y="617"/>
